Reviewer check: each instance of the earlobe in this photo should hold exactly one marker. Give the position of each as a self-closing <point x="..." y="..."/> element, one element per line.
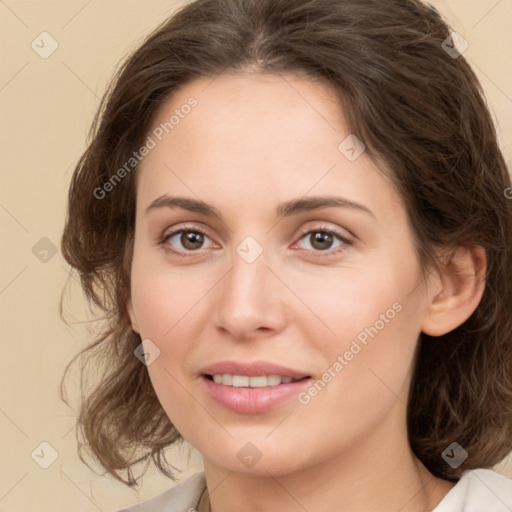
<point x="462" y="286"/>
<point x="131" y="313"/>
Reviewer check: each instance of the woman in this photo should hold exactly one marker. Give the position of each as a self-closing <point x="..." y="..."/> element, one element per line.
<point x="293" y="214"/>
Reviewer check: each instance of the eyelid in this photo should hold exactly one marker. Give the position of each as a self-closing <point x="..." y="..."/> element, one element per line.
<point x="339" y="232"/>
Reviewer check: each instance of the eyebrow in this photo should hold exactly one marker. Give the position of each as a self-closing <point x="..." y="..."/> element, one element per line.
<point x="286" y="209"/>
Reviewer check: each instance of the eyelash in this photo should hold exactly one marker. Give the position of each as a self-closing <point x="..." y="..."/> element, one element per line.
<point x="192" y="229"/>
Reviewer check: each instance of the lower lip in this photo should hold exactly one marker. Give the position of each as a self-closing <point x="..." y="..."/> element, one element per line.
<point x="253" y="400"/>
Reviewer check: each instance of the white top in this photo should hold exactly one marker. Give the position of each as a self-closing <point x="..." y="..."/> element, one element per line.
<point x="478" y="490"/>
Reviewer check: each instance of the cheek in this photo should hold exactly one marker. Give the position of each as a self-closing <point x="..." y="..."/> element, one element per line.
<point x="359" y="302"/>
<point x="165" y="298"/>
<point x="376" y="322"/>
<point x="362" y="384"/>
<point x="170" y="311"/>
<point x="374" y="373"/>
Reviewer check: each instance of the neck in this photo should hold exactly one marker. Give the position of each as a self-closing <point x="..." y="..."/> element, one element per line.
<point x="380" y="473"/>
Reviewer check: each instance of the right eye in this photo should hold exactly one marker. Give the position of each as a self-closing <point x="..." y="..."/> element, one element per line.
<point x="190" y="239"/>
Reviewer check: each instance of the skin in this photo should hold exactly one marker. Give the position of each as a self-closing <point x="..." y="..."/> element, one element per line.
<point x="253" y="142"/>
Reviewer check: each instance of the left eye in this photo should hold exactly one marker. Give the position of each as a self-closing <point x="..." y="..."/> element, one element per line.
<point x="322" y="240"/>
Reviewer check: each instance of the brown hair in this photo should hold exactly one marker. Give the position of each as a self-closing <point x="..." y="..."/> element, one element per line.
<point x="419" y="111"/>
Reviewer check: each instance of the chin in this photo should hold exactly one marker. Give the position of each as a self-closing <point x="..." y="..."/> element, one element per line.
<point x="258" y="458"/>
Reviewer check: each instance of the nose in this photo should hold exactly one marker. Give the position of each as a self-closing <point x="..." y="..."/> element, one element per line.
<point x="250" y="301"/>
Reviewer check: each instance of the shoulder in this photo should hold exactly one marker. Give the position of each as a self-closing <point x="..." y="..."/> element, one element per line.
<point x="477" y="490"/>
<point x="182" y="497"/>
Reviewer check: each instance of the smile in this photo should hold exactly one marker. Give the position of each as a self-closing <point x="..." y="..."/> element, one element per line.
<point x="245" y="381"/>
<point x="253" y="387"/>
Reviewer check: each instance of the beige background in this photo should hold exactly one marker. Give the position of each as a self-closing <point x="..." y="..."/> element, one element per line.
<point x="47" y="106"/>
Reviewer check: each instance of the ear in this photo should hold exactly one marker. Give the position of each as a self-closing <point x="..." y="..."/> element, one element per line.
<point x="131" y="313"/>
<point x="457" y="291"/>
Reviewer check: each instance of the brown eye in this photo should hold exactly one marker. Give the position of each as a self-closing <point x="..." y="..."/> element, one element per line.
<point x="191" y="239"/>
<point x="321" y="240"/>
<point x="185" y="240"/>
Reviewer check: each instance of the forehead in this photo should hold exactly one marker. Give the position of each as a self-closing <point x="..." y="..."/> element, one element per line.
<point x="243" y="110"/>
<point x="248" y="134"/>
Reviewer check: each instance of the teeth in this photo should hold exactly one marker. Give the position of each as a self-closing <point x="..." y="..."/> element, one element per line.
<point x="273" y="380"/>
<point x="243" y="381"/>
<point x="239" y="381"/>
<point x="257" y="382"/>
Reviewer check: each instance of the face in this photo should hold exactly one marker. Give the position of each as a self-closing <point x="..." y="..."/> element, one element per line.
<point x="275" y="277"/>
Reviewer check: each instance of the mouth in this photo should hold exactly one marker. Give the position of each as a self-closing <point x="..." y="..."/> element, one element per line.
<point x="252" y="388"/>
<point x="246" y="381"/>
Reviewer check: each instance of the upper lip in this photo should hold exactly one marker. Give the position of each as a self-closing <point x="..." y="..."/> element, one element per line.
<point x="251" y="369"/>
